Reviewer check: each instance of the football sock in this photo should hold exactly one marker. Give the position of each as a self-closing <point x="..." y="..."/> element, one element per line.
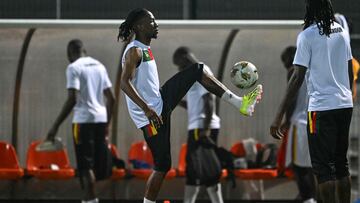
<point x="148" y="201"/>
<point x="232" y="99"/>
<point x="215" y="193"/>
<point x="191" y="193"/>
<point x="312" y="200"/>
<point x="90" y="201"/>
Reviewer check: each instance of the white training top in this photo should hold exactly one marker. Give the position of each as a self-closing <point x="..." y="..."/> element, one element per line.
<point x="90" y="77"/>
<point x="343" y="22"/>
<point x="300" y="112"/>
<point x="146" y="82"/>
<point x="327" y="60"/>
<point x="195" y="106"/>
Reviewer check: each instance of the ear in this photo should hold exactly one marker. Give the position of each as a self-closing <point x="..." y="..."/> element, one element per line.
<point x="138" y="27"/>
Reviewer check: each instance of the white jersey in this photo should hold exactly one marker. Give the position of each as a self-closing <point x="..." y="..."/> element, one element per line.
<point x="343" y="22"/>
<point x="90" y="77"/>
<point x="195" y="106"/>
<point x="327" y="60"/>
<point x="300" y="112"/>
<point x="297" y="147"/>
<point x="146" y="83"/>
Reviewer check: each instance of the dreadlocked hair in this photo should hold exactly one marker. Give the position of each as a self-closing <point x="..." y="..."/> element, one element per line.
<point x="126" y="28"/>
<point x="321" y="13"/>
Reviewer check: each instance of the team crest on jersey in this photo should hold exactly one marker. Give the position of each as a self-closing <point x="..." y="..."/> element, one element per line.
<point x="147" y="55"/>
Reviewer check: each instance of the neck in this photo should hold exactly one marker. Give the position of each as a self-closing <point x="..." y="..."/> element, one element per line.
<point x="143" y="40"/>
<point x="79" y="56"/>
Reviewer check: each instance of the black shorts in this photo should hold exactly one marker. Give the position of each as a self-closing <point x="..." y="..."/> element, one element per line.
<point x="171" y="93"/>
<point x="91" y="149"/>
<point x="192" y="145"/>
<point x="328" y="134"/>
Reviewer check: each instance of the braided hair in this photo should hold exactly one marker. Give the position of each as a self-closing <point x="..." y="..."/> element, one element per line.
<point x="321" y="13"/>
<point x="126" y="28"/>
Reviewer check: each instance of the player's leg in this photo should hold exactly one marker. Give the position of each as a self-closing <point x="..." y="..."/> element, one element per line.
<point x="88" y="179"/>
<point x="177" y="86"/>
<point x="343" y="183"/>
<point x="245" y="104"/>
<point x="159" y="145"/>
<point x="192" y="187"/>
<point x="190" y="193"/>
<point x="102" y="156"/>
<point x="305" y="182"/>
<point x="84" y="150"/>
<point x="322" y="131"/>
<point x="301" y="163"/>
<point x="215" y="193"/>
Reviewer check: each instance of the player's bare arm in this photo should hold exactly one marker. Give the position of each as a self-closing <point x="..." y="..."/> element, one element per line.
<point x="290" y="110"/>
<point x="65" y="111"/>
<point x="110" y="100"/>
<point x="351" y="74"/>
<point x="132" y="59"/>
<point x="293" y="87"/>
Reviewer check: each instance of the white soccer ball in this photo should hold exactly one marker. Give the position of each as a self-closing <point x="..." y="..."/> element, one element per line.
<point x="244" y="74"/>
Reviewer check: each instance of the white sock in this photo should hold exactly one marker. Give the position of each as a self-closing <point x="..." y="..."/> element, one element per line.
<point x="148" y="201"/>
<point x="232" y="98"/>
<point x="191" y="193"/>
<point x="91" y="201"/>
<point x="215" y="193"/>
<point x="312" y="200"/>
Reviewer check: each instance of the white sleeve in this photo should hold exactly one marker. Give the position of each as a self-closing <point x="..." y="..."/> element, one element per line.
<point x="72" y="78"/>
<point x="107" y="82"/>
<point x="303" y="51"/>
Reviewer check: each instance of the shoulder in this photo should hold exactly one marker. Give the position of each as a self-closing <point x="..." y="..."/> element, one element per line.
<point x="133" y="52"/>
<point x="95" y="61"/>
<point x="305" y="36"/>
<point x="72" y="67"/>
<point x="132" y="46"/>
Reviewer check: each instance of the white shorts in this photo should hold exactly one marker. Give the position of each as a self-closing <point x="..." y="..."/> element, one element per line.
<point x="297" y="146"/>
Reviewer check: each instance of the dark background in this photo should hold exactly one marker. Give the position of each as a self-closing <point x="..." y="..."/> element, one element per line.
<point x="170" y="9"/>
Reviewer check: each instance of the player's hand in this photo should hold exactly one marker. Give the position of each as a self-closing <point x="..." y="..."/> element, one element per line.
<point x="275" y="129"/>
<point x="51" y="135"/>
<point x="285" y="127"/>
<point x="154" y="119"/>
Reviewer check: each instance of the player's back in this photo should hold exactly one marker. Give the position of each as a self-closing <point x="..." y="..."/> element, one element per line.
<point x="90" y="79"/>
<point x="328" y="66"/>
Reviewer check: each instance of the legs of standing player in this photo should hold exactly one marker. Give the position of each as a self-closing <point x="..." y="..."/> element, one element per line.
<point x="215" y="193"/>
<point x="88" y="179"/>
<point x="159" y="145"/>
<point x="305" y="180"/>
<point x="343" y="189"/>
<point x="190" y="193"/>
<point x="153" y="186"/>
<point x="330" y="131"/>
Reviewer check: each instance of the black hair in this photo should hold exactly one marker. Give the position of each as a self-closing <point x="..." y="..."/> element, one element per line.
<point x="125" y="29"/>
<point x="76" y="46"/>
<point x="181" y="51"/>
<point x="288" y="52"/>
<point x="321" y="13"/>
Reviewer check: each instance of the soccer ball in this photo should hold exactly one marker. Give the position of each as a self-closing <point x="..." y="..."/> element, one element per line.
<point x="244" y="74"/>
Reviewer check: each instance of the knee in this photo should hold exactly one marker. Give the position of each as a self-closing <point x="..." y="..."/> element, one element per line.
<point x="163" y="164"/>
<point x="342" y="170"/>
